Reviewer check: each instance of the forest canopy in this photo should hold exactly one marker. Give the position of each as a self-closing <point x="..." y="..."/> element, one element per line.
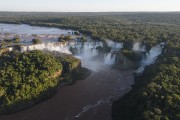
<point x="27" y="78"/>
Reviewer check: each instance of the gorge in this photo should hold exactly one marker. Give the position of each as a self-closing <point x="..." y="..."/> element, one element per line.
<point x="91" y="96"/>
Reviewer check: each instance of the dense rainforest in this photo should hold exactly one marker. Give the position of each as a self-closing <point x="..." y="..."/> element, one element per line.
<point x="26" y="78"/>
<point x="156" y="94"/>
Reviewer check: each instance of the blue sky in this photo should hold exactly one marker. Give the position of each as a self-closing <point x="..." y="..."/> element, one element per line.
<point x="89" y="5"/>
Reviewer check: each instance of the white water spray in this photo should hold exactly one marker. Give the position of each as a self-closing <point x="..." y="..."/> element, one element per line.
<point x="152" y="55"/>
<point x="138" y="47"/>
<point x="109" y="59"/>
<point x="59" y="47"/>
<point x="114" y="45"/>
<point x="86" y="51"/>
<point x="150" y="58"/>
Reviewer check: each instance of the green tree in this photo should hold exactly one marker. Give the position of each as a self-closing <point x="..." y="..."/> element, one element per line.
<point x="36" y="41"/>
<point x="16" y="40"/>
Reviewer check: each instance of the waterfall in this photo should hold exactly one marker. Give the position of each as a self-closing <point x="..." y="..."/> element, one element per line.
<point x="109" y="59"/>
<point x="87" y="48"/>
<point x="60" y="47"/>
<point x="143" y="49"/>
<point x="114" y="45"/>
<point x="86" y="51"/>
<point x="118" y="45"/>
<point x="137" y="46"/>
<point x="149" y="58"/>
<point x="152" y="55"/>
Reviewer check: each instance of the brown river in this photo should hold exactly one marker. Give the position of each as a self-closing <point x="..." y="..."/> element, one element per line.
<point x="88" y="99"/>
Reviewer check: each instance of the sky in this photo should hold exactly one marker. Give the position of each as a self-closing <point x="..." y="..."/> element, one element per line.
<point x="89" y="5"/>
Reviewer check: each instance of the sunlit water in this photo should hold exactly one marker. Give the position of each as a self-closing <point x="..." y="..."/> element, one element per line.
<point x="27" y="29"/>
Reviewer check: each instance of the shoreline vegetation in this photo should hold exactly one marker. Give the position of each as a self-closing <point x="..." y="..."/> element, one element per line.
<point x="156" y="93"/>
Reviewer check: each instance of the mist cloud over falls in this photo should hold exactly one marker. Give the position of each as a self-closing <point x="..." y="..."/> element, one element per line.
<point x="90" y="55"/>
<point x="92" y="58"/>
<point x="88" y="52"/>
<point x="151" y="56"/>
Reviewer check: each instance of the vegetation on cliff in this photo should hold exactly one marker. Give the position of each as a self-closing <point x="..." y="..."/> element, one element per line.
<point x="27" y="78"/>
<point x="36" y="41"/>
<point x="72" y="69"/>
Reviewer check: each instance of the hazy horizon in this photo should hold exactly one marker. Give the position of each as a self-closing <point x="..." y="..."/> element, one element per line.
<point x="90" y="6"/>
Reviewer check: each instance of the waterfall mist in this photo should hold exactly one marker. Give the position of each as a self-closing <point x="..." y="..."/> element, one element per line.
<point x="90" y="55"/>
<point x="149" y="57"/>
<point x="137" y="46"/>
<point x="111" y="56"/>
<point x="92" y="58"/>
<point x="114" y="45"/>
<point x="88" y="52"/>
<point x="59" y="47"/>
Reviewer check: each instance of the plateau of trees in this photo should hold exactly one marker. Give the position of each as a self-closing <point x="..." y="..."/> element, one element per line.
<point x="27" y="78"/>
<point x="30" y="77"/>
<point x="64" y="38"/>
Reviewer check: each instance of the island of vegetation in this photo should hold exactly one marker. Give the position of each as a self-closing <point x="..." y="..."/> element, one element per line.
<point x="30" y="77"/>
